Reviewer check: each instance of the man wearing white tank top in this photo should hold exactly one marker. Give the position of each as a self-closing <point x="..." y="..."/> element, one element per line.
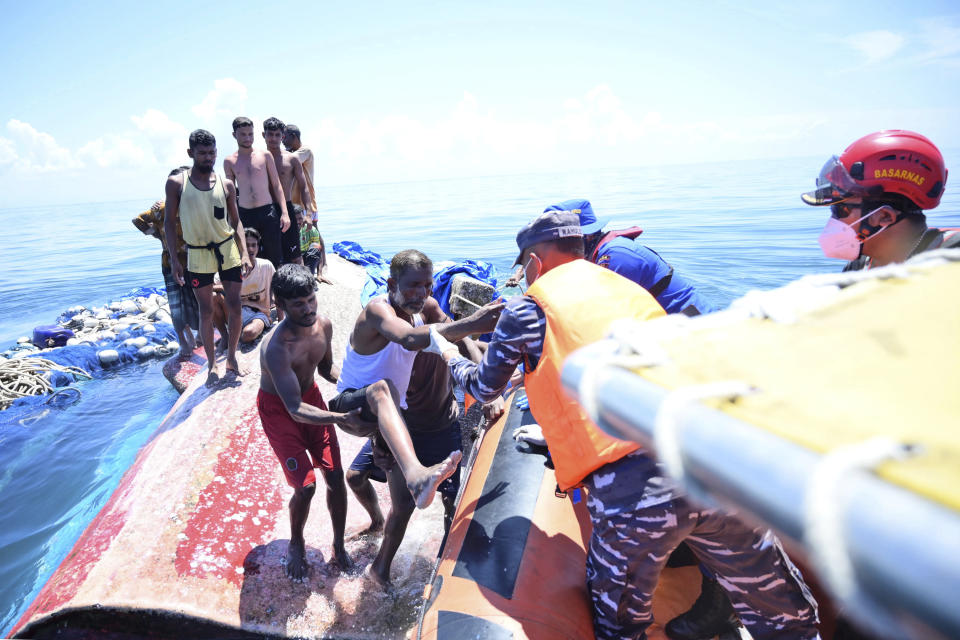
<point x="376" y="369"/>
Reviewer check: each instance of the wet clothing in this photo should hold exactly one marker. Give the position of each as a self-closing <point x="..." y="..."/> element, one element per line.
<point x="197" y="280"/>
<point x="184" y="309"/>
<point x="639" y="514"/>
<point x="211" y="246"/>
<point x="349" y="399"/>
<point x="431" y="448"/>
<point x="292" y="441"/>
<point x="620" y="252"/>
<point x="932" y="239"/>
<point x="266" y="220"/>
<point x="392" y="363"/>
<point x="290" y="239"/>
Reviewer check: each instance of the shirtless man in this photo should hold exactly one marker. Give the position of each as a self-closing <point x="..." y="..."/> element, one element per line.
<point x="262" y="203"/>
<point x="291" y="141"/>
<point x="293" y="182"/>
<point x="205" y="205"/>
<point x="295" y="419"/>
<point x="376" y="370"/>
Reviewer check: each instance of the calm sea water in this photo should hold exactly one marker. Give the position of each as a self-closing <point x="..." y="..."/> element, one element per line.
<point x="728" y="227"/>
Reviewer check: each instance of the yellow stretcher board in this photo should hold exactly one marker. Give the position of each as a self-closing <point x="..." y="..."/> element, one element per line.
<point x="828" y="408"/>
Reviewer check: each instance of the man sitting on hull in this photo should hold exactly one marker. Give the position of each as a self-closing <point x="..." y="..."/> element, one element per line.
<point x="376" y="369"/>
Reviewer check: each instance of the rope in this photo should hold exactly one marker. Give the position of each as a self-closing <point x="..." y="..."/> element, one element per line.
<point x="22" y="377"/>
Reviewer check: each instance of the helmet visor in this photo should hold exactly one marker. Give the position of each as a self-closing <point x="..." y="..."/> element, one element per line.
<point x="833" y="185"/>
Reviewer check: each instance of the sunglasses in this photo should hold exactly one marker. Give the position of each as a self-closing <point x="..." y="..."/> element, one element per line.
<point x="841" y="210"/>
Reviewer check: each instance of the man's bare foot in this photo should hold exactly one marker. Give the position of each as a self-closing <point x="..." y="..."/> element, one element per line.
<point x="234" y="365"/>
<point x="323" y="279"/>
<point x="377" y="579"/>
<point x="423" y="488"/>
<point x="213" y="374"/>
<point x="184" y="354"/>
<point x="297" y="567"/>
<point x="342" y="560"/>
<point x="375" y="528"/>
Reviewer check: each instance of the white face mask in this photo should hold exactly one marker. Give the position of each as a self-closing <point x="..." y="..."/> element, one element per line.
<point x="839" y="239"/>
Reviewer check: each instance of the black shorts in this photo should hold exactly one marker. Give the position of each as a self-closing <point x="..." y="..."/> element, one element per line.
<point x="350" y="399"/>
<point x="431" y="448"/>
<point x="197" y="280"/>
<point x="266" y="220"/>
<point x="290" y="239"/>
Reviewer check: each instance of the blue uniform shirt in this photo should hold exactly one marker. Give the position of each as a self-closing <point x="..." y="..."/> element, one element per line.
<point x="644" y="266"/>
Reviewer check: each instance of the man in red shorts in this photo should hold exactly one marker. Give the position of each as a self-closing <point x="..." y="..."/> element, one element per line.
<point x="294" y="415"/>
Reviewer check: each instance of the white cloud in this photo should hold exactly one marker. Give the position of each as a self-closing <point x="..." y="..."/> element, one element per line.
<point x="940" y="41"/>
<point x="8" y="153"/>
<point x="38" y="151"/>
<point x="225" y="101"/>
<point x="167" y="137"/>
<point x="876" y="45"/>
<point x="120" y="151"/>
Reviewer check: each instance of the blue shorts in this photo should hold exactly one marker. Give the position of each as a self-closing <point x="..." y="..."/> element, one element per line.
<point x="249" y="314"/>
<point x="431" y="448"/>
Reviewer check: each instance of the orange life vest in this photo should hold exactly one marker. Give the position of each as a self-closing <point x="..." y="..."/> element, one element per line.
<point x="579" y="301"/>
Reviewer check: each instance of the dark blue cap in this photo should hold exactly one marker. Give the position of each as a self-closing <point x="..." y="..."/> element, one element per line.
<point x="549" y="225"/>
<point x="588" y="221"/>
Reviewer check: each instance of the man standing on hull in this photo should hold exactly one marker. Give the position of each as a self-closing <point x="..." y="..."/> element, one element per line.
<point x="295" y="419"/>
<point x="639" y="514"/>
<point x="259" y="193"/>
<point x="291" y="142"/>
<point x="292" y="181"/>
<point x="205" y="206"/>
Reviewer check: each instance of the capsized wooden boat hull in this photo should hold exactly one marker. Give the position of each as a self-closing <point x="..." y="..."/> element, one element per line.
<point x="192" y="542"/>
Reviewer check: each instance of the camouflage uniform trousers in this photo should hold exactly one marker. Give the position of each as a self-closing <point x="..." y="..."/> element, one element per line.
<point x="629" y="549"/>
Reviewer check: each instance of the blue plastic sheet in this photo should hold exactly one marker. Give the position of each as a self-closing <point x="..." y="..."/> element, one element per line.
<point x="378" y="270"/>
<point x="478" y="269"/>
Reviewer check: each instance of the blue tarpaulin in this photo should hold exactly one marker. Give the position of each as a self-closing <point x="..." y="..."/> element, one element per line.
<point x="378" y="270"/>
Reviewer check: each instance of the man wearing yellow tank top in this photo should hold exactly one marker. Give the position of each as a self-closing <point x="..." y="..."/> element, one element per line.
<point x="206" y="207"/>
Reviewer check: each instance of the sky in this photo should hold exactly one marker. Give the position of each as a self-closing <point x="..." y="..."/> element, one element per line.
<point x="99" y="98"/>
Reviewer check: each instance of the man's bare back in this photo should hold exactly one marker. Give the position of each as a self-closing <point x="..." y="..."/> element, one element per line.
<point x="251" y="173"/>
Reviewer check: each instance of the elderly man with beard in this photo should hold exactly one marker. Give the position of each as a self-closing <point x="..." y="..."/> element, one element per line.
<point x="387" y="335"/>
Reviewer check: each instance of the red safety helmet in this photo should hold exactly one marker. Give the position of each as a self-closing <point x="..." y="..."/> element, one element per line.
<point x="890" y="161"/>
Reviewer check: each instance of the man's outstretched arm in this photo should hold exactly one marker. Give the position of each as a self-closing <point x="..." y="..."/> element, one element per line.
<point x="519" y="332"/>
<point x="416" y="338"/>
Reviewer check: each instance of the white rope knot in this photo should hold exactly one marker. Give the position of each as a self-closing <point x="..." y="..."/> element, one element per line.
<point x="823" y="510"/>
<point x="668" y="423"/>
